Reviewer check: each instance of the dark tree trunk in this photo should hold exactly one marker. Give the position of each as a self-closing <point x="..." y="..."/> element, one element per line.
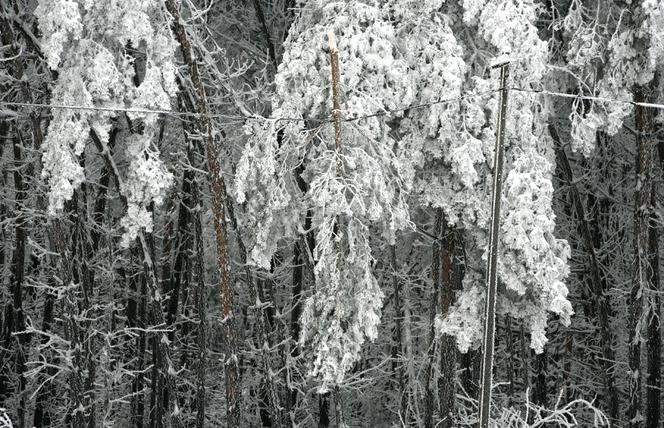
<point x="204" y="126"/>
<point x="449" y="278"/>
<point x="642" y="270"/>
<point x="12" y="355"/>
<point x="654" y="336"/>
<point x="201" y="305"/>
<point x="509" y="344"/>
<point x="397" y="352"/>
<point x="135" y="311"/>
<point x="600" y="298"/>
<point x="540" y="389"/>
<point x="324" y="410"/>
<point x="42" y="415"/>
<point x="447" y="274"/>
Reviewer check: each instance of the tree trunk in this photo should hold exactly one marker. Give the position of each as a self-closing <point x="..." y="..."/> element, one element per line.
<point x="642" y="269"/>
<point x="14" y="317"/>
<point x="204" y="125"/>
<point x="540" y="389"/>
<point x="509" y="343"/>
<point x="600" y="290"/>
<point x="201" y="305"/>
<point x="654" y="344"/>
<point x="324" y="410"/>
<point x="448" y="278"/>
<point x="398" y="341"/>
<point x="447" y="273"/>
<point x="154" y="310"/>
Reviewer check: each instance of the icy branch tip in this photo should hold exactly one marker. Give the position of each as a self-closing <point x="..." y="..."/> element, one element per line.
<point x="332" y="40"/>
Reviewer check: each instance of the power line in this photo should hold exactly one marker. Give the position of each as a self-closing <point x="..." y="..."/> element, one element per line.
<point x="176" y="113"/>
<point x="107" y="109"/>
<point x="589" y="98"/>
<point x="242" y="118"/>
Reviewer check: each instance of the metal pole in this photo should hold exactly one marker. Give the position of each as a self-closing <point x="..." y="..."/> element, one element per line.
<point x="492" y="262"/>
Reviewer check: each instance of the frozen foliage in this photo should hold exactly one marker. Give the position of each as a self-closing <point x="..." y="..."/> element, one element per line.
<point x="629" y="50"/>
<point x="394" y="54"/>
<point x="363" y="186"/>
<point x="272" y="212"/>
<point x="5" y="422"/>
<point x="652" y="27"/>
<point x="456" y="175"/>
<point x="532" y="415"/>
<point x="345" y="307"/>
<point x="87" y="43"/>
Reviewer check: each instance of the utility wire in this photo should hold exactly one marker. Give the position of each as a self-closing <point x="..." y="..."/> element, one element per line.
<point x="242" y="118"/>
<point x="589" y="98"/>
<point x="176" y="113"/>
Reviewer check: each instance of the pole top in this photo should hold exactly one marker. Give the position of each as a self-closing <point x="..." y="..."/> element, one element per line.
<point x="501" y="64"/>
<point x="332" y="41"/>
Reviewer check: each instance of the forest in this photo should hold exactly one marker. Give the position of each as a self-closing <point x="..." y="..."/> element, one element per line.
<point x="314" y="213"/>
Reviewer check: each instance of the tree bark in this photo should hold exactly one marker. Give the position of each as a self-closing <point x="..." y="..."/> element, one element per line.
<point x="448" y="279"/>
<point x="15" y="315"/>
<point x="599" y="285"/>
<point x="201" y="308"/>
<point x="447" y="274"/>
<point x="398" y="337"/>
<point x="642" y="268"/>
<point x="654" y="344"/>
<point x="204" y="125"/>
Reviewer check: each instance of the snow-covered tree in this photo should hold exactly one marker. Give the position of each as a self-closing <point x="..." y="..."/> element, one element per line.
<point x="86" y="43"/>
<point x="351" y="254"/>
<point x="394" y="55"/>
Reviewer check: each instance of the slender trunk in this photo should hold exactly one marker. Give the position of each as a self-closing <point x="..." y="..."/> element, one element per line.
<point x="42" y="415"/>
<point x="269" y="402"/>
<point x="642" y="270"/>
<point x="324" y="410"/>
<point x="654" y="341"/>
<point x="447" y="273"/>
<point x="82" y="256"/>
<point x="488" y="341"/>
<point x="182" y="249"/>
<point x="44" y="412"/>
<point x="338" y="408"/>
<point x="540" y="390"/>
<point x="154" y="310"/>
<point x="525" y="364"/>
<point x="601" y="304"/>
<point x="470" y="372"/>
<point x="156" y="413"/>
<point x="430" y="371"/>
<point x="447" y="276"/>
<point x="72" y="333"/>
<point x="398" y="341"/>
<point x="14" y="317"/>
<point x="411" y="396"/>
<point x="567" y="368"/>
<point x="4" y="366"/>
<point x="231" y="367"/>
<point x="510" y="359"/>
<point x="135" y="311"/>
<point x="201" y="305"/>
<point x="266" y="33"/>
